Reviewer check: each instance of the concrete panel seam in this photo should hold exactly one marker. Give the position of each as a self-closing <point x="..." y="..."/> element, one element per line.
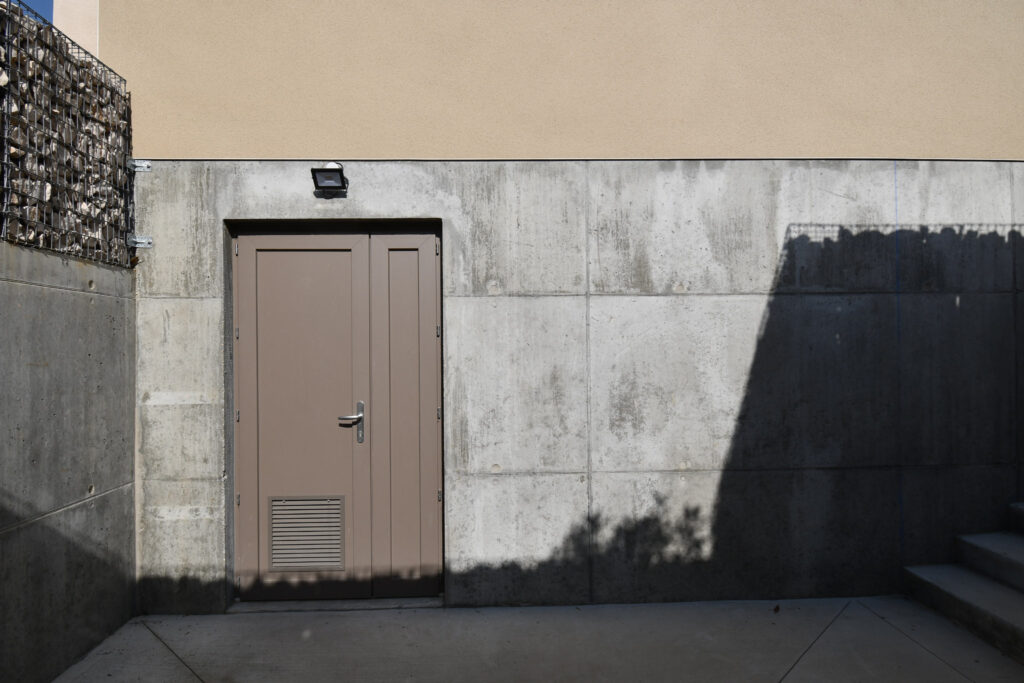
<point x="73" y="290"/>
<point x="175" y="297"/>
<point x="499" y="475"/>
<point x="55" y="511"/>
<point x="799" y="293"/>
<point x="183" y="479"/>
<point x="823" y="468"/>
<point x="515" y="295"/>
<point x="587" y="369"/>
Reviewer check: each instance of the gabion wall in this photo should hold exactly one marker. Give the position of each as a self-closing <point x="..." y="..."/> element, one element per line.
<point x="67" y="182"/>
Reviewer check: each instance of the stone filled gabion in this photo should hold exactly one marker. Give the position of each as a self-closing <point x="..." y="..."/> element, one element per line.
<point x="67" y="143"/>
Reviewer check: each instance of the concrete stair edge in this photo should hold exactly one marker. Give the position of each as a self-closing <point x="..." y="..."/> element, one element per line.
<point x="1017" y="516"/>
<point x="999" y="555"/>
<point x="989" y="609"/>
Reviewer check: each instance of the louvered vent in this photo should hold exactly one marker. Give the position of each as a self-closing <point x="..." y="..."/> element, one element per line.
<point x="307" y="533"/>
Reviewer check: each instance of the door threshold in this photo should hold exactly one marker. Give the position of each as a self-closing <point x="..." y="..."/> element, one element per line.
<point x="335" y="605"/>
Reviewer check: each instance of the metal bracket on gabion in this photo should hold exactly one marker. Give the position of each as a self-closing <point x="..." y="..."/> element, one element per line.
<point x="140" y="241"/>
<point x="66" y="159"/>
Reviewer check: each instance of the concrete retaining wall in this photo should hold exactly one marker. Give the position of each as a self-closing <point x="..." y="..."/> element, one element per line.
<point x="67" y="542"/>
<point x="663" y="380"/>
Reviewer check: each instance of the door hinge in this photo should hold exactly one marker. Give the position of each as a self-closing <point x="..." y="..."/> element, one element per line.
<point x="439" y="495"/>
<point x="238" y="499"/>
<point x="238" y="416"/>
<point x="437" y="248"/>
<point x="236" y="333"/>
<point x="438" y="413"/>
<point x="439" y="331"/>
<point x="236" y="247"/>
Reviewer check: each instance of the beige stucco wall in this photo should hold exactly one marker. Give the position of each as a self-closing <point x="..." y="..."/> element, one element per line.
<point x="80" y="20"/>
<point x="445" y="79"/>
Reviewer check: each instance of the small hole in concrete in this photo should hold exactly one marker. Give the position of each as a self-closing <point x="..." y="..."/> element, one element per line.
<point x="92" y="489"/>
<point x="92" y="285"/>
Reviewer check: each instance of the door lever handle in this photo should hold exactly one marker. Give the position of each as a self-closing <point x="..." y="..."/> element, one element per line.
<point x="358" y="418"/>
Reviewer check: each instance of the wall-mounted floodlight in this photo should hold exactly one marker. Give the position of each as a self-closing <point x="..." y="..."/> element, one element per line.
<point x="330" y="181"/>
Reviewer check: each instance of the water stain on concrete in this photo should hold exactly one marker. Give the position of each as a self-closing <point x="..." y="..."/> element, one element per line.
<point x="627" y="416"/>
<point x="552" y="394"/>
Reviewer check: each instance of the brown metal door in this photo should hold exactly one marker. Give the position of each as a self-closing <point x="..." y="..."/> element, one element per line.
<point x="324" y="510"/>
<point x="406" y="417"/>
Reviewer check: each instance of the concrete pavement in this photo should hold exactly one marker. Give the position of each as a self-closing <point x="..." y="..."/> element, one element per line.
<point x="857" y="639"/>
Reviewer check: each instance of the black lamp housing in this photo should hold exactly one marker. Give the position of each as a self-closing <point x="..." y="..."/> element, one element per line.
<point x="330" y="180"/>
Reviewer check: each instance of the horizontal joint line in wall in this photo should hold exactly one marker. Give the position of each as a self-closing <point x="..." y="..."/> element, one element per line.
<point x="816" y="292"/>
<point x="520" y="473"/>
<point x="219" y="297"/>
<point x="514" y="295"/>
<point x="826" y="468"/>
<point x="73" y="290"/>
<point x="50" y="513"/>
<point x="766" y="293"/>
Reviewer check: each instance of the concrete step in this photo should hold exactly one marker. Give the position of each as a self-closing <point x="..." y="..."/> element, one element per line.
<point x="1017" y="516"/>
<point x="999" y="555"/>
<point x="985" y="606"/>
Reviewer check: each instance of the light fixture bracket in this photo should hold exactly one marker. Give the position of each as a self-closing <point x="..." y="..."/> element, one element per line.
<point x="329" y="180"/>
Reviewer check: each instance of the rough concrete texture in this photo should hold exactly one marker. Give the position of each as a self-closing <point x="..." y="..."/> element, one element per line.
<point x="871" y="639"/>
<point x="640" y="418"/>
<point x="773" y="358"/>
<point x="516" y="538"/>
<point x="66" y="463"/>
<point x="505" y="397"/>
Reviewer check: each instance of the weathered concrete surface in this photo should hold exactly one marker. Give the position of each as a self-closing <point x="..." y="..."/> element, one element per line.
<point x="66" y="459"/>
<point x="793" y="348"/>
<point x="643" y="352"/>
<point x="880" y="638"/>
<point x="714" y="534"/>
<point x="181" y="519"/>
<point x="68" y="581"/>
<point x="940" y="503"/>
<point x="516" y="539"/>
<point x="934" y="192"/>
<point x="964" y="341"/>
<point x="513" y="413"/>
<point x="62" y="383"/>
<point x="133" y="653"/>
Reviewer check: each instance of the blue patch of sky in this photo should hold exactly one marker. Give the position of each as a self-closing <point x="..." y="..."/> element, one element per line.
<point x="43" y="7"/>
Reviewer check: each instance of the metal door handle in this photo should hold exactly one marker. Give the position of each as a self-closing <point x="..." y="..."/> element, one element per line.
<point x="358" y="417"/>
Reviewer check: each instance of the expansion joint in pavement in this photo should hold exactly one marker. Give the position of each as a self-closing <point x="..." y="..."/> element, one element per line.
<point x="816" y="639"/>
<point x="176" y="655"/>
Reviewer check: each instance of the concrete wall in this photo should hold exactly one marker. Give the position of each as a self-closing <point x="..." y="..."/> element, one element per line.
<point x="534" y="79"/>
<point x="67" y="543"/>
<point x="663" y="380"/>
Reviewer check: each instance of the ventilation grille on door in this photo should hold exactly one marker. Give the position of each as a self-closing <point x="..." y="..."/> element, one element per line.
<point x="307" y="533"/>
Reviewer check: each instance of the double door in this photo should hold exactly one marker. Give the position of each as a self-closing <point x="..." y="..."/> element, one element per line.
<point x="338" y="430"/>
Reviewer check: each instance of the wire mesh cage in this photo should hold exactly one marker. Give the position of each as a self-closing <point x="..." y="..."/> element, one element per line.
<point x="66" y="176"/>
